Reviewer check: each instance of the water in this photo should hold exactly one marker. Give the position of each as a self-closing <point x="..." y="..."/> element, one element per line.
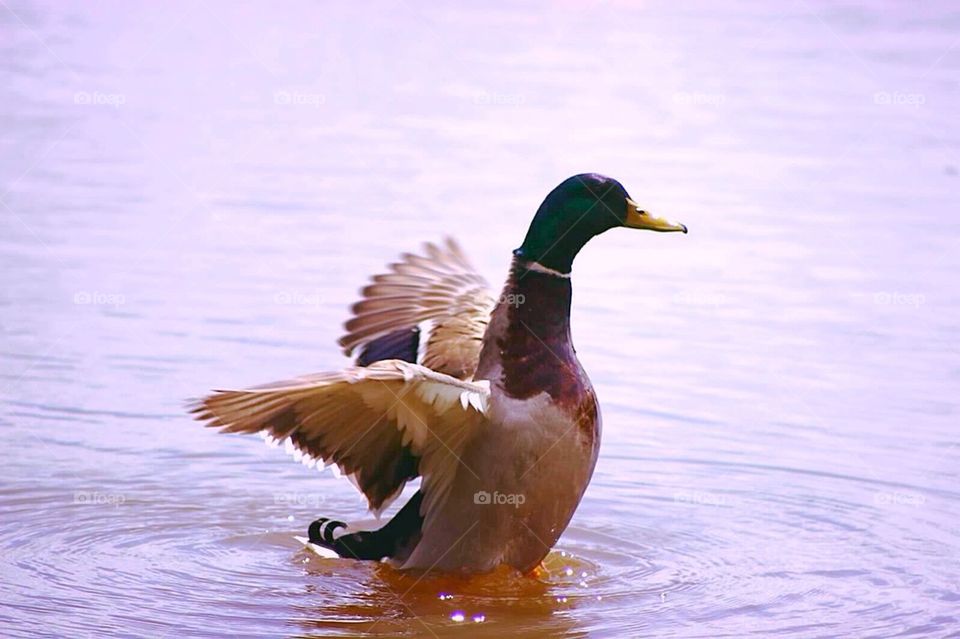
<point x="190" y="196"/>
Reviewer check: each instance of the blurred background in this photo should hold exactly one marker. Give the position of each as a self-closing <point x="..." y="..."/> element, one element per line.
<point x="191" y="195"/>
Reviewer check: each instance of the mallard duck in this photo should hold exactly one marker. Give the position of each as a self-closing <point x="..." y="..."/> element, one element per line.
<point x="482" y="397"/>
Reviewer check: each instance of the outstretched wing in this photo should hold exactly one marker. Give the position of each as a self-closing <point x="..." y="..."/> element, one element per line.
<point x="381" y="425"/>
<point x="430" y="309"/>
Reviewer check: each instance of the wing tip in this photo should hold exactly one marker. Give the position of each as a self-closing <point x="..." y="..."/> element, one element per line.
<point x="201" y="410"/>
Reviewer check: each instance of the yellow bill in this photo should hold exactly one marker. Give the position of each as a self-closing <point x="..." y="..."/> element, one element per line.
<point x="639" y="219"/>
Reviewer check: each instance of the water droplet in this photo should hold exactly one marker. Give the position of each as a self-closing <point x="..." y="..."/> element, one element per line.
<point x="568" y="572"/>
<point x="457" y="616"/>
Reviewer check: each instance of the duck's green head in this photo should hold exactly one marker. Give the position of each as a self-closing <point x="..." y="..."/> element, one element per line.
<point x="579" y="208"/>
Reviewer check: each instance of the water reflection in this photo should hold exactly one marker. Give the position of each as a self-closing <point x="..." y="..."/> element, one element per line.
<point x="386" y="602"/>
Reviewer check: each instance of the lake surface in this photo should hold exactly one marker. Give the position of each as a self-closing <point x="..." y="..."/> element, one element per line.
<point x="192" y="194"/>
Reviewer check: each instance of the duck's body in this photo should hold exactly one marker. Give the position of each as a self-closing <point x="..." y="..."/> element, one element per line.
<point x="486" y="401"/>
<point x="533" y="453"/>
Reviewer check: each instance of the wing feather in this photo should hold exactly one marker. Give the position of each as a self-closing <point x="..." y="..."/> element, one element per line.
<point x="440" y="286"/>
<point x="381" y="425"/>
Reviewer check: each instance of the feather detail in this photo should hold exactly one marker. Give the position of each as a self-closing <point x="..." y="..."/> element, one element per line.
<point x="380" y="425"/>
<point x="439" y="293"/>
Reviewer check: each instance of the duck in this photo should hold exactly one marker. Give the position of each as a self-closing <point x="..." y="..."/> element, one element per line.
<point x="479" y="396"/>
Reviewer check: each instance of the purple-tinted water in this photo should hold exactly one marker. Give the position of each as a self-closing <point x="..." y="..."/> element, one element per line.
<point x="192" y="193"/>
